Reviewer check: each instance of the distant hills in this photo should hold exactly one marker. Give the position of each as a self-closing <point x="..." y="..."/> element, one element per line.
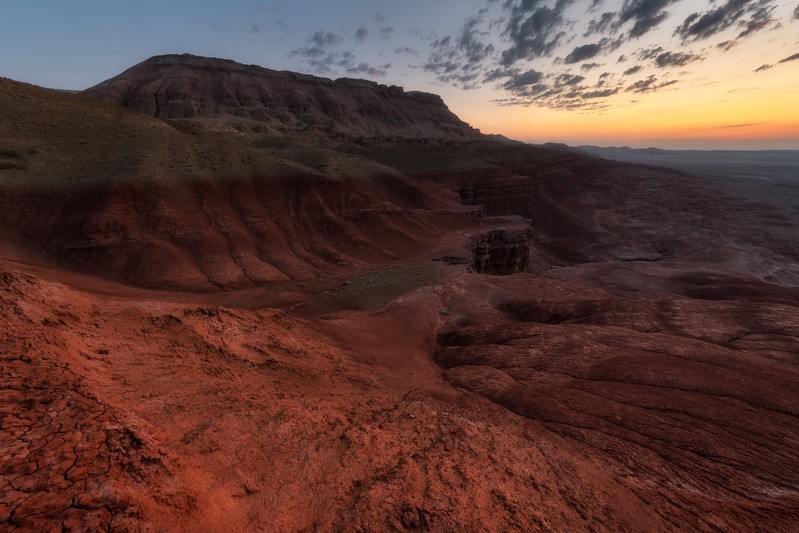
<point x="769" y="164"/>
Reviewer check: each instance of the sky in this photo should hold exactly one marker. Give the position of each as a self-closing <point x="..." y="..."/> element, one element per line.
<point x="669" y="73"/>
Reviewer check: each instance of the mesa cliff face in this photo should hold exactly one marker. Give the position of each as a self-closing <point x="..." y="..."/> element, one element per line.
<point x="269" y="101"/>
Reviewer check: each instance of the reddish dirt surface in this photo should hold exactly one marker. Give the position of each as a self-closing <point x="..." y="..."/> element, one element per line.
<point x="638" y="374"/>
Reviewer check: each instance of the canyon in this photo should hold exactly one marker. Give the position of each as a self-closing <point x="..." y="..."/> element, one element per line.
<point x="240" y="299"/>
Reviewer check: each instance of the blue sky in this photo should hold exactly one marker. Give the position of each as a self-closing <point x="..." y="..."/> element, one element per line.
<point x="503" y="65"/>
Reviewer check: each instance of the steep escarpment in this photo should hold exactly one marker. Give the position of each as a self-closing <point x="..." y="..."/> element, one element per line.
<point x="201" y="235"/>
<point x="267" y="101"/>
<point x="126" y="196"/>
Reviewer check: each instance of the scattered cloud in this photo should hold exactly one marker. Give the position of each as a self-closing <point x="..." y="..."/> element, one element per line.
<point x="601" y="25"/>
<point x="406" y="50"/>
<point x="761" y="68"/>
<point x="581" y="53"/>
<point x="365" y="68"/>
<point x="460" y="58"/>
<point x="790" y="58"/>
<point x="675" y="59"/>
<point x="322" y="39"/>
<point x="728" y="45"/>
<point x="254" y="28"/>
<point x="645" y="15"/>
<point x="733" y="126"/>
<point x="558" y="53"/>
<point x="665" y="59"/>
<point x="534" y="30"/>
<point x="523" y="80"/>
<point x="599" y="94"/>
<point x="648" y="85"/>
<point x="323" y="55"/>
<point x="750" y="15"/>
<point x="595" y="4"/>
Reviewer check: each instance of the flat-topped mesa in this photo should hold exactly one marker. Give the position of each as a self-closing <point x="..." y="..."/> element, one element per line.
<point x="273" y="102"/>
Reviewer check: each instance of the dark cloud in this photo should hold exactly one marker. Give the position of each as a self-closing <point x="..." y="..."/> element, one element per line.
<point x="790" y="58"/>
<point x="319" y="53"/>
<point x="568" y="79"/>
<point x="254" y="28"/>
<point x="602" y="24"/>
<point x="581" y="53"/>
<point x="362" y="34"/>
<point x="534" y="29"/>
<point x="508" y="43"/>
<point x="728" y="45"/>
<point x="675" y="59"/>
<point x="750" y="15"/>
<point x="761" y="68"/>
<point x="348" y="61"/>
<point x="645" y="15"/>
<point x="664" y="59"/>
<point x="604" y="93"/>
<point x="323" y="55"/>
<point x="385" y="33"/>
<point x="406" y="50"/>
<point x="565" y="90"/>
<point x="521" y="80"/>
<point x="648" y="85"/>
<point x="760" y="20"/>
<point x="325" y="39"/>
<point x="365" y="68"/>
<point x="595" y="5"/>
<point x="469" y="41"/>
<point x="796" y="12"/>
<point x="460" y="59"/>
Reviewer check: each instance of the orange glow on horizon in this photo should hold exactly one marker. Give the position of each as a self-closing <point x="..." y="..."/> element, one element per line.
<point x="763" y="109"/>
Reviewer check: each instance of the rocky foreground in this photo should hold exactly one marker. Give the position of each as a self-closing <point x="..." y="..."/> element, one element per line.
<point x="212" y="323"/>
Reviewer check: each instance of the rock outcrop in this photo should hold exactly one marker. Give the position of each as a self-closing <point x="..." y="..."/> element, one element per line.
<point x="502" y="252"/>
<point x="268" y="101"/>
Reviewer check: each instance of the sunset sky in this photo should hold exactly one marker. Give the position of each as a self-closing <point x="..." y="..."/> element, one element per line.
<point x="668" y="73"/>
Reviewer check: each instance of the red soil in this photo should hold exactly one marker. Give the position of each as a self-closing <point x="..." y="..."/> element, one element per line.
<point x="289" y="351"/>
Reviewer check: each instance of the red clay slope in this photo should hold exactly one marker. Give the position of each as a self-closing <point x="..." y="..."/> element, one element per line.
<point x="644" y="381"/>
